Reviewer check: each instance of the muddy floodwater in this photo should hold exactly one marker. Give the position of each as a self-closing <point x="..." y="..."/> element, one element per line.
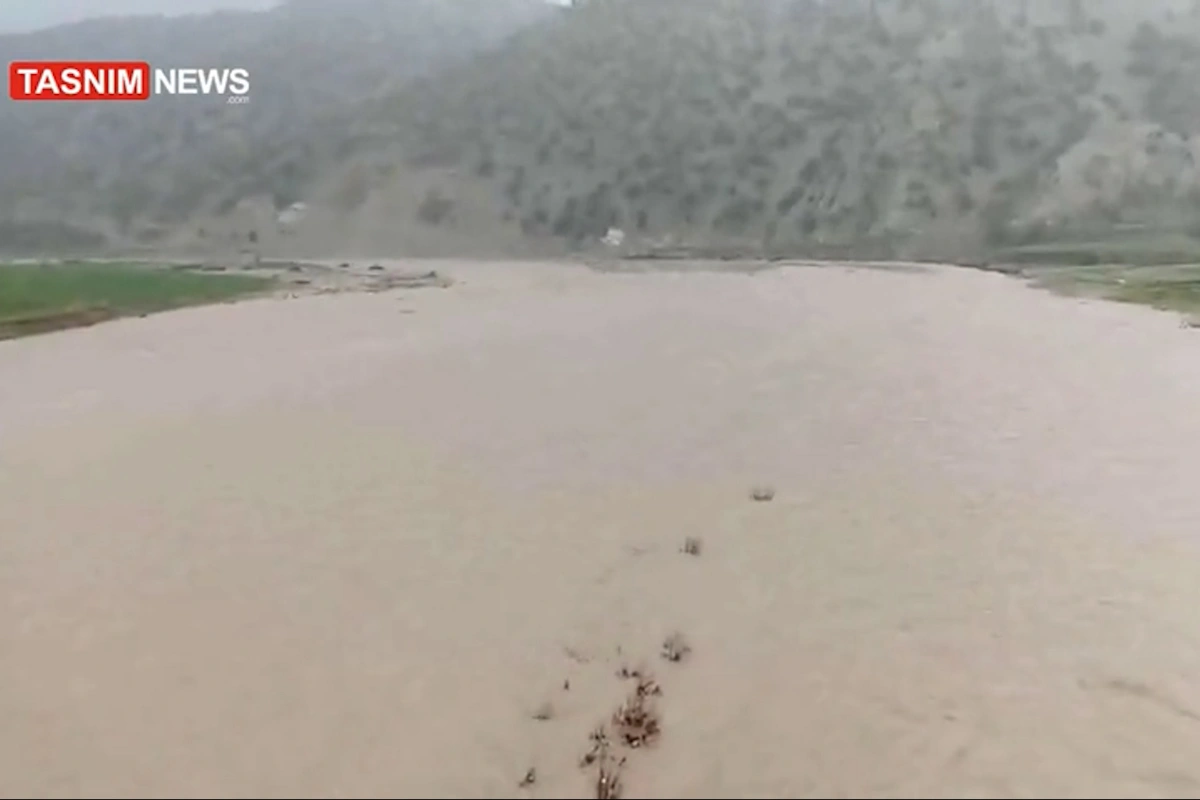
<point x="408" y="543"/>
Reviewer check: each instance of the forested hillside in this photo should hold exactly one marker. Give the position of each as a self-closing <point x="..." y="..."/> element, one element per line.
<point x="933" y="127"/>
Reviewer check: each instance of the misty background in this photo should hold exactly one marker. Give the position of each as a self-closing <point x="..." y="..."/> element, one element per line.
<point x="22" y="15"/>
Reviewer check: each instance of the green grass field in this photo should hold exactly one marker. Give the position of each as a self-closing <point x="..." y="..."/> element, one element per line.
<point x="1159" y="269"/>
<point x="35" y="298"/>
<point x="1167" y="287"/>
<point x="1144" y="249"/>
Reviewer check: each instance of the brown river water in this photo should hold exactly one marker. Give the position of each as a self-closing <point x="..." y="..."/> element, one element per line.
<point x="402" y="544"/>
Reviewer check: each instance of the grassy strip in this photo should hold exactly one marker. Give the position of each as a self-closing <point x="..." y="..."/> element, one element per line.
<point x="1144" y="250"/>
<point x="36" y="298"/>
<point x="1169" y="288"/>
<point x="1168" y="296"/>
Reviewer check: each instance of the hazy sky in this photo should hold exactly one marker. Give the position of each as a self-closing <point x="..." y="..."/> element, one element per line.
<point x="16" y="15"/>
